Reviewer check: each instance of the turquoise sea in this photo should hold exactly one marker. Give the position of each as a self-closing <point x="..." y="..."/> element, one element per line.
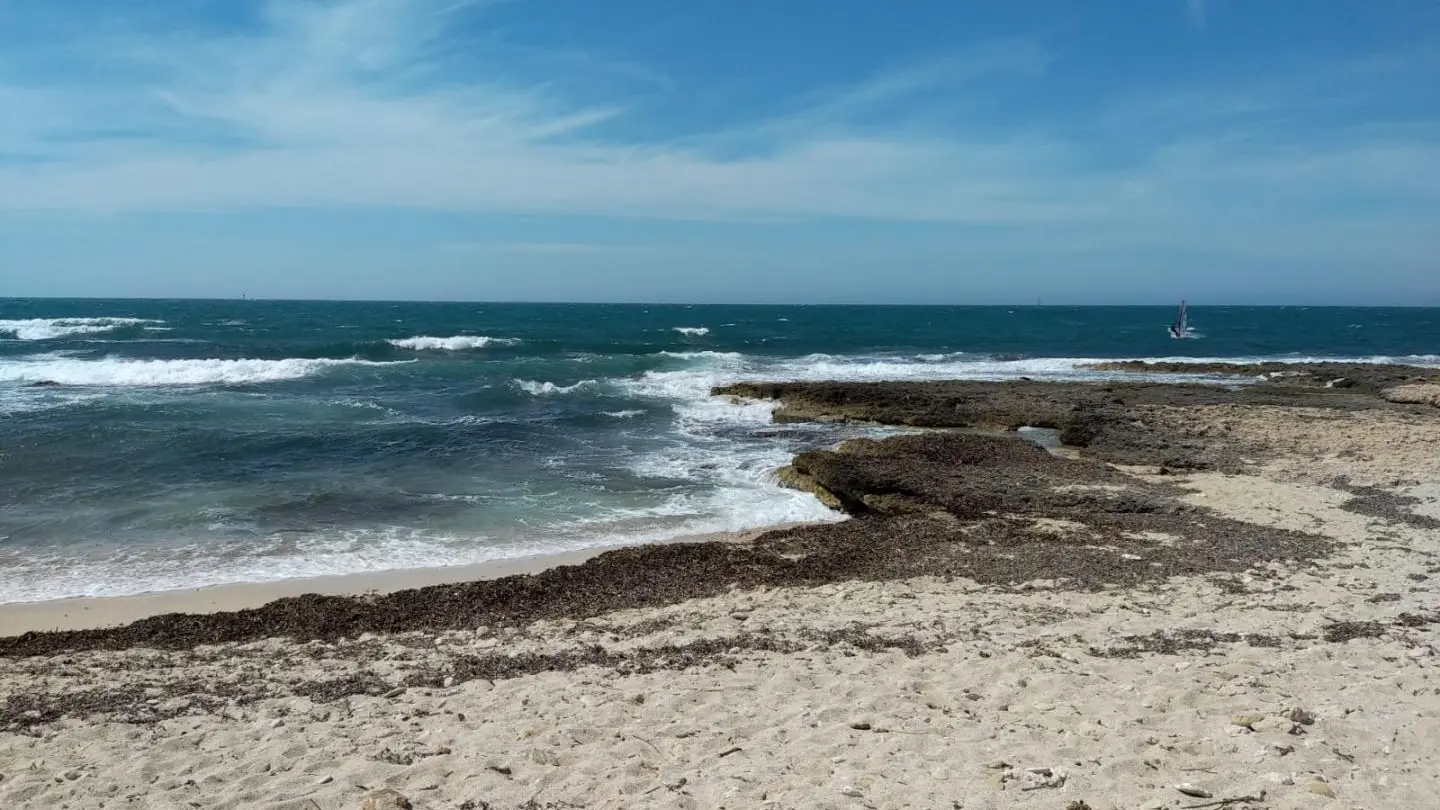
<point x="183" y="443"/>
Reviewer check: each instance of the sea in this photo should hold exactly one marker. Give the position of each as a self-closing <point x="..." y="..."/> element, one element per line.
<point x="149" y="445"/>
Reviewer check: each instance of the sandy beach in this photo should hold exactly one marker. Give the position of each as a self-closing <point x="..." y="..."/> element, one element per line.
<point x="1226" y="598"/>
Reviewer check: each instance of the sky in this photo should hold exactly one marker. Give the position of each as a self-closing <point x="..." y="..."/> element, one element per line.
<point x="767" y="151"/>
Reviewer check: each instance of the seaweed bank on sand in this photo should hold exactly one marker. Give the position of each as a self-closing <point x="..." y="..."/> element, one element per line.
<point x="1213" y="596"/>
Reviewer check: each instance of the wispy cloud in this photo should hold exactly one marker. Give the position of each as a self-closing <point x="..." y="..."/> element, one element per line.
<point x="375" y="103"/>
<point x="981" y="66"/>
<point x="1198" y="12"/>
<point x="560" y="248"/>
<point x="359" y="103"/>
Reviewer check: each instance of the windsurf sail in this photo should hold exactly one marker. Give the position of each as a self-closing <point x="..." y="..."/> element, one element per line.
<point x="1181" y="327"/>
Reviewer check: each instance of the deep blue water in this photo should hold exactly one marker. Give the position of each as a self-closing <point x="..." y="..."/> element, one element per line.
<point x="201" y="442"/>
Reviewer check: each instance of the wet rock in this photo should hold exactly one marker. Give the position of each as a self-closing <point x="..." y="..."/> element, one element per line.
<point x="1099" y="418"/>
<point x="386" y="799"/>
<point x="794" y="479"/>
<point x="43" y="384"/>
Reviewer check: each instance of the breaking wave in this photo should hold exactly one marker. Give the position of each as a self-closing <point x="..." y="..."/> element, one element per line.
<point x="458" y="343"/>
<point x="542" y="389"/>
<point x="51" y="328"/>
<point x="114" y="372"/>
<point x="693" y="331"/>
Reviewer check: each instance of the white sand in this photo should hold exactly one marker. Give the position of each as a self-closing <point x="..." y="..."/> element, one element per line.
<point x="1008" y="682"/>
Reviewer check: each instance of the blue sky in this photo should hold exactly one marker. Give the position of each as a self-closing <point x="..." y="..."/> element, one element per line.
<point x="1126" y="151"/>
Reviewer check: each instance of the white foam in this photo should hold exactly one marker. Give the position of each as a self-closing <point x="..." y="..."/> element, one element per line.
<point x="458" y="343"/>
<point x="542" y="389"/>
<point x="693" y="331"/>
<point x="704" y="355"/>
<point x="116" y="372"/>
<point x="15" y="401"/>
<point x="269" y="559"/>
<point x="51" y="328"/>
<point x="1375" y="359"/>
<point x="623" y="414"/>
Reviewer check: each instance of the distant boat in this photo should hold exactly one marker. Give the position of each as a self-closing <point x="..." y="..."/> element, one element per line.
<point x="1180" y="330"/>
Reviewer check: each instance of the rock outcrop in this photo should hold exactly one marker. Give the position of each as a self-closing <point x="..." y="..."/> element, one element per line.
<point x="1414" y="394"/>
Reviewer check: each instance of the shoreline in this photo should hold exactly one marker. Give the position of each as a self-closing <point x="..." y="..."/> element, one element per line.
<point x="102" y="612"/>
<point x="1227" y="595"/>
<point x="1071" y="420"/>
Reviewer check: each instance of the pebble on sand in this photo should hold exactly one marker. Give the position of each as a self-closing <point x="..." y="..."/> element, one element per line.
<point x="1037" y="778"/>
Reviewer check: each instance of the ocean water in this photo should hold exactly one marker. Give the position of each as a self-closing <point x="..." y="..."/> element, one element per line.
<point x="192" y="443"/>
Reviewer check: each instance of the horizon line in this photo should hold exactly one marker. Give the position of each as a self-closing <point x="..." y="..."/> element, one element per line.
<point x="537" y="302"/>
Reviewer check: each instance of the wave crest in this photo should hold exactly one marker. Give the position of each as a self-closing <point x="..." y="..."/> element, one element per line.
<point x="542" y="389"/>
<point x="51" y="328"/>
<point x="693" y="331"/>
<point x="457" y="343"/>
<point x="114" y="372"/>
